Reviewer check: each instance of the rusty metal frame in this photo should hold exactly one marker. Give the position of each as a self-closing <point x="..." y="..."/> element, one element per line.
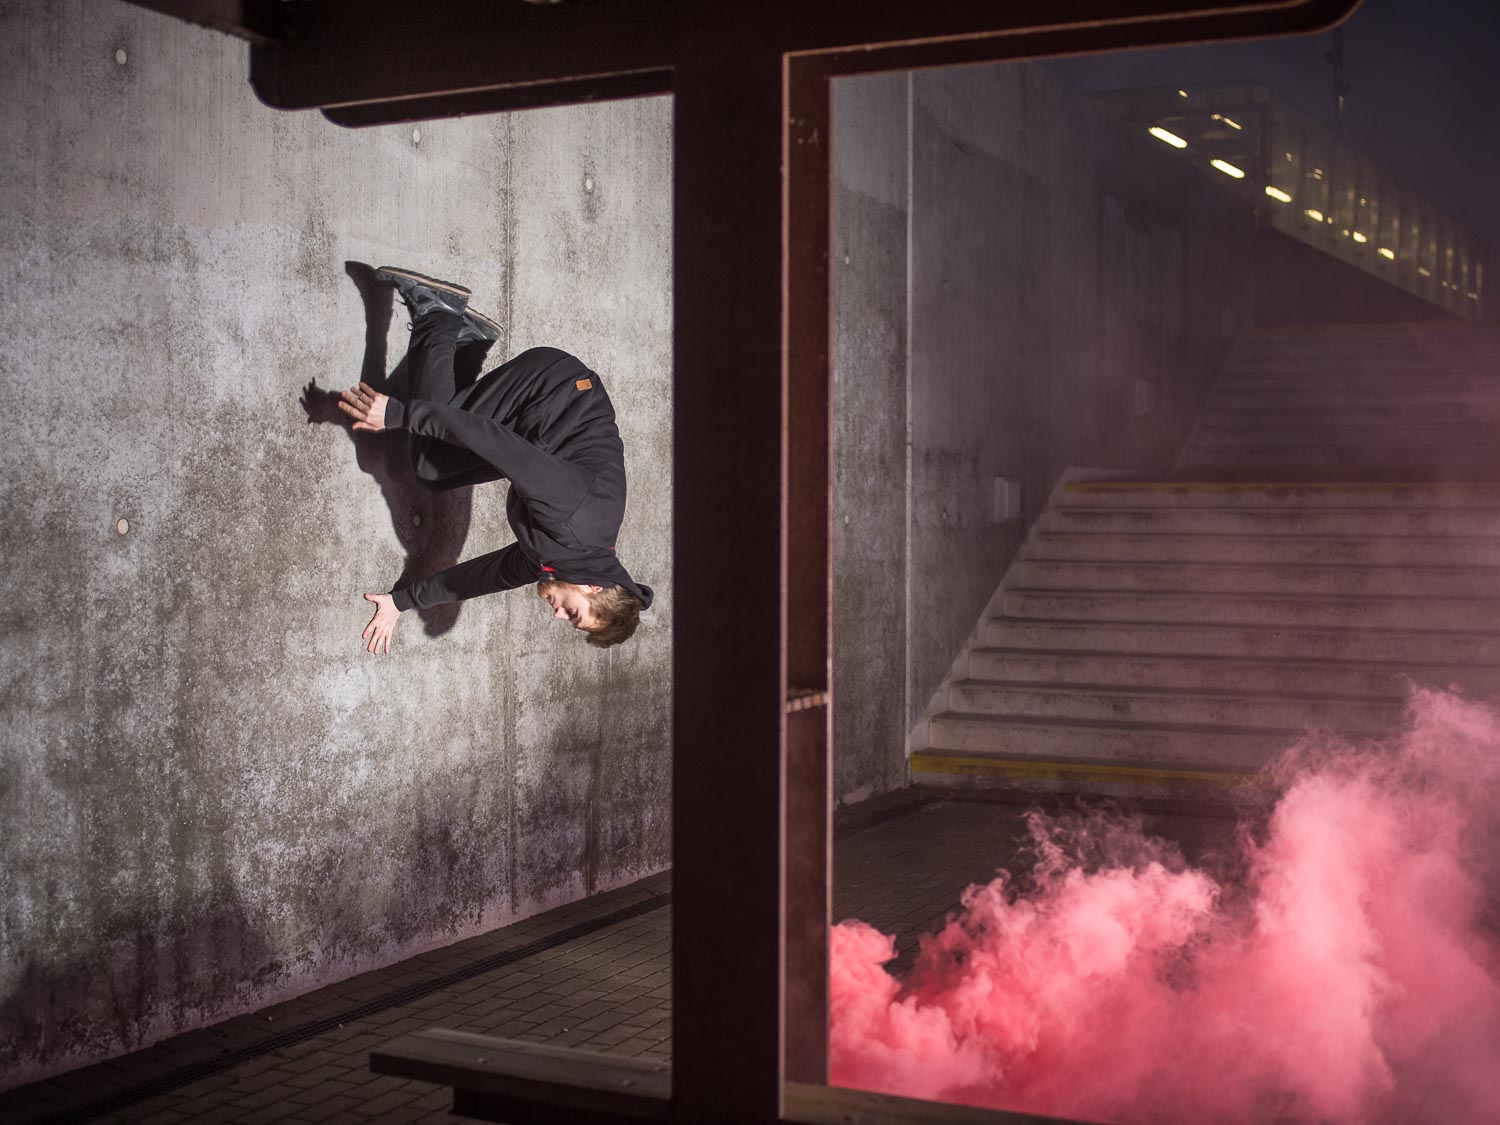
<point x="751" y="456"/>
<point x="256" y="21"/>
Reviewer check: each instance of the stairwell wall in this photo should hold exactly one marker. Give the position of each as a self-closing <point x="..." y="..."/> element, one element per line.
<point x="1061" y="267"/>
<point x="869" y="281"/>
<point x="212" y="799"/>
<point x="1057" y="265"/>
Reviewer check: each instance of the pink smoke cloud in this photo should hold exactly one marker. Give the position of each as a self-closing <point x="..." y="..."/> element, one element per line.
<point x="1349" y="973"/>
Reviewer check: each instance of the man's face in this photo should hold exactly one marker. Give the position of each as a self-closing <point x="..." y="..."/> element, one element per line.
<point x="570" y="602"/>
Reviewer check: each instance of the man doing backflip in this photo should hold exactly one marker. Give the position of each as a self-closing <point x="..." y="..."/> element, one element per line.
<point x="543" y="422"/>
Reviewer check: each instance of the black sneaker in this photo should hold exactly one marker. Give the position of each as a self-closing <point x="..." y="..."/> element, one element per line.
<point x="478" y="329"/>
<point x="422" y="293"/>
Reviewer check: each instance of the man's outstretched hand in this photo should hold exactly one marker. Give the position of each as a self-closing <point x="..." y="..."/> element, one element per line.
<point x="378" y="632"/>
<point x="366" y="406"/>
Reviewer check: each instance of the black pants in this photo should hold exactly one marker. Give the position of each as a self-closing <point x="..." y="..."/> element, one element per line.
<point x="430" y="367"/>
<point x="551" y="424"/>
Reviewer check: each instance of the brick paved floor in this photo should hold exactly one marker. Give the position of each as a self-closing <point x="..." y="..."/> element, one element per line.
<point x="901" y="869"/>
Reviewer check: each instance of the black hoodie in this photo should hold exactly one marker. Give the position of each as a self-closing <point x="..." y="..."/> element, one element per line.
<point x="544" y="421"/>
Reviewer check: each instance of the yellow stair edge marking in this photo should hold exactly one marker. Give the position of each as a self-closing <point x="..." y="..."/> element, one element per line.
<point x="1455" y="488"/>
<point x="1043" y="769"/>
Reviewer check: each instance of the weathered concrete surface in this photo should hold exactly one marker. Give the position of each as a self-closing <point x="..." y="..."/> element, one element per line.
<point x="869" y="386"/>
<point x="212" y="798"/>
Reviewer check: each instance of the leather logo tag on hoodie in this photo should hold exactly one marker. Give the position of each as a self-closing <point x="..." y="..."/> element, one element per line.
<point x="584" y="384"/>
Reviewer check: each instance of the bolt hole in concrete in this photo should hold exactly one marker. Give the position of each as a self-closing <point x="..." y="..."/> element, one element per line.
<point x="588" y="184"/>
<point x="416" y="136"/>
<point x="416" y="519"/>
<point x="120" y="56"/>
<point x="122" y="526"/>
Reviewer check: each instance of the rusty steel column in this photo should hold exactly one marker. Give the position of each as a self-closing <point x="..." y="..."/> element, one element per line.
<point x="807" y="838"/>
<point x="727" y="707"/>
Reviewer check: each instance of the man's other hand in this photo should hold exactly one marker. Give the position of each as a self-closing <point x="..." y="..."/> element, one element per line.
<point x="377" y="634"/>
<point x="366" y="406"/>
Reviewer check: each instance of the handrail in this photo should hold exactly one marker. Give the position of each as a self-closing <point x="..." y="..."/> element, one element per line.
<point x="1307" y="182"/>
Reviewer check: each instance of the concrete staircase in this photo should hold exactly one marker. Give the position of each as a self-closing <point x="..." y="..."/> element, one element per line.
<point x="1317" y="548"/>
<point x="1361" y="403"/>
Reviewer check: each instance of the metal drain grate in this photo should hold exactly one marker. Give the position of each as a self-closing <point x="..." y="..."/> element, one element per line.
<point x="302" y="1032"/>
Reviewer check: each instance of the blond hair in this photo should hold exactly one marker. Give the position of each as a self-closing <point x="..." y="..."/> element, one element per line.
<point x="618" y="612"/>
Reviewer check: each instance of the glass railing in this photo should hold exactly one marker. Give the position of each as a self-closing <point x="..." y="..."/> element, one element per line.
<point x="1305" y="181"/>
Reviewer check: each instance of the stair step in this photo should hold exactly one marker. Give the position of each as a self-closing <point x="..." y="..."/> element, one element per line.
<point x="1358" y="416"/>
<point x="1222" y="747"/>
<point x="1123" y="607"/>
<point x="1324" y="522"/>
<point x="1355" y="383"/>
<point x="1386" y="334"/>
<point x="1402" y="648"/>
<point x="1399" y="364"/>
<point x="1393" y="436"/>
<point x="1413" y="356"/>
<point x="1354" y="714"/>
<point x="1250" y="549"/>
<point x="1364" y="342"/>
<point x="1419" y="358"/>
<point x="1306" y="396"/>
<point x="1225" y="673"/>
<point x="1434" y="462"/>
<point x="1095" y="777"/>
<point x="1230" y="578"/>
<point x="1481" y="341"/>
<point x="1419" y="363"/>
<point x="1405" y="368"/>
<point x="1271" y="549"/>
<point x="1479" y="496"/>
<point x="1477" y="347"/>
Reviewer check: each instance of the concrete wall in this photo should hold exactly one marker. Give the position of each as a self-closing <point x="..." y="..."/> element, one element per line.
<point x="1057" y="259"/>
<point x="212" y="798"/>
<point x="1051" y="259"/>
<point x="869" y="380"/>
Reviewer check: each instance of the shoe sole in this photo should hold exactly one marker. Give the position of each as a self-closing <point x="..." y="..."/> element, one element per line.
<point x="485" y="326"/>
<point x="390" y="273"/>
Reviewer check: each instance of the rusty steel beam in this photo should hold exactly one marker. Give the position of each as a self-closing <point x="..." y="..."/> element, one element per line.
<point x="256" y="21"/>
<point x="601" y="88"/>
<point x="347" y="52"/>
<point x="807" y="565"/>
<point x="1014" y="44"/>
<point x="752" y="352"/>
<point x="728" y="682"/>
<point x="764" y="909"/>
<point x="928" y="31"/>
